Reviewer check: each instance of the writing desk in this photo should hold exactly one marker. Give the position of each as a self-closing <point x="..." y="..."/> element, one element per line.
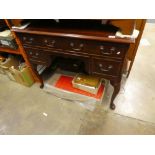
<point x="89" y="42"/>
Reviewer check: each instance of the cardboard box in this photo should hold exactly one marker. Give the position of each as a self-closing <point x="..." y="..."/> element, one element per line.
<point x="9" y="75"/>
<point x="22" y="76"/>
<point x="5" y="65"/>
<point x="9" y="62"/>
<point x="17" y="72"/>
<point x="2" y="59"/>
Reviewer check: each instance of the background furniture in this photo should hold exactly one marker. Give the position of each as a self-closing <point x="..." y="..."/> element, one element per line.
<point x="19" y="51"/>
<point x="5" y="49"/>
<point x="140" y="24"/>
<point x="126" y="26"/>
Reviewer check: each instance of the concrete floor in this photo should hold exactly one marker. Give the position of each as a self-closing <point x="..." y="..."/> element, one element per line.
<point x="22" y="109"/>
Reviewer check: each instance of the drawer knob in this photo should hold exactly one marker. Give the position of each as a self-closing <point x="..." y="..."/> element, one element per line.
<point x="100" y="65"/>
<point x="24" y="38"/>
<point x="72" y="44"/>
<point x="30" y="53"/>
<point x="31" y="39"/>
<point x="37" y="54"/>
<point x="45" y="41"/>
<point x="81" y="45"/>
<point x="101" y="47"/>
<point x="107" y="69"/>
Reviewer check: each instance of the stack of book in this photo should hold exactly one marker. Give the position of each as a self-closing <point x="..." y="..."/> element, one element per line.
<point x="87" y="83"/>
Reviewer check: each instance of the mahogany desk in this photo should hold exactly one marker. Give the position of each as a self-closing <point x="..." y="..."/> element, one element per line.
<point x="101" y="55"/>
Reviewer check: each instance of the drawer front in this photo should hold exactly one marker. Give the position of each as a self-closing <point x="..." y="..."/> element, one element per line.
<point x="39" y="62"/>
<point x="43" y="41"/>
<point x="109" y="67"/>
<point x="30" y="39"/>
<point x="38" y="56"/>
<point x="40" y="41"/>
<point x="75" y="45"/>
<point x="35" y="53"/>
<point x="107" y="49"/>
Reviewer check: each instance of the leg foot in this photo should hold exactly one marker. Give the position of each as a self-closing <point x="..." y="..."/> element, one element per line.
<point x="112" y="106"/>
<point x="42" y="86"/>
<point x="116" y="91"/>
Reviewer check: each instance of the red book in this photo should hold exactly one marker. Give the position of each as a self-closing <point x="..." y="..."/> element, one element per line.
<point x="65" y="83"/>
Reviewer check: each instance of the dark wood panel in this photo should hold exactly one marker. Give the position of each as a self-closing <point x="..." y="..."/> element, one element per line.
<point x="105" y="66"/>
<point x="38" y="56"/>
<point x="9" y="50"/>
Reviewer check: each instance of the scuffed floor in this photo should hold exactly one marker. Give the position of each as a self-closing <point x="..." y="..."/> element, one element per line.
<point x="31" y="111"/>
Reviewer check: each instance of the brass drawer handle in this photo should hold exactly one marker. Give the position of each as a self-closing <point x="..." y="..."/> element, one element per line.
<point x="76" y="49"/>
<point x="105" y="69"/>
<point x="104" y="52"/>
<point x="101" y="47"/>
<point x="30" y="40"/>
<point x="51" y="44"/>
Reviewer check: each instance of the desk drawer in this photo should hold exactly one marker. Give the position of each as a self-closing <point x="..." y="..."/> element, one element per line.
<point x="38" y="56"/>
<point x="30" y="39"/>
<point x="39" y="62"/>
<point x="104" y="66"/>
<point x="41" y="41"/>
<point x="106" y="49"/>
<point x="75" y="45"/>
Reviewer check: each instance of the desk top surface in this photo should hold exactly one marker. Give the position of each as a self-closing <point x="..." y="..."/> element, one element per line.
<point x="90" y="32"/>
